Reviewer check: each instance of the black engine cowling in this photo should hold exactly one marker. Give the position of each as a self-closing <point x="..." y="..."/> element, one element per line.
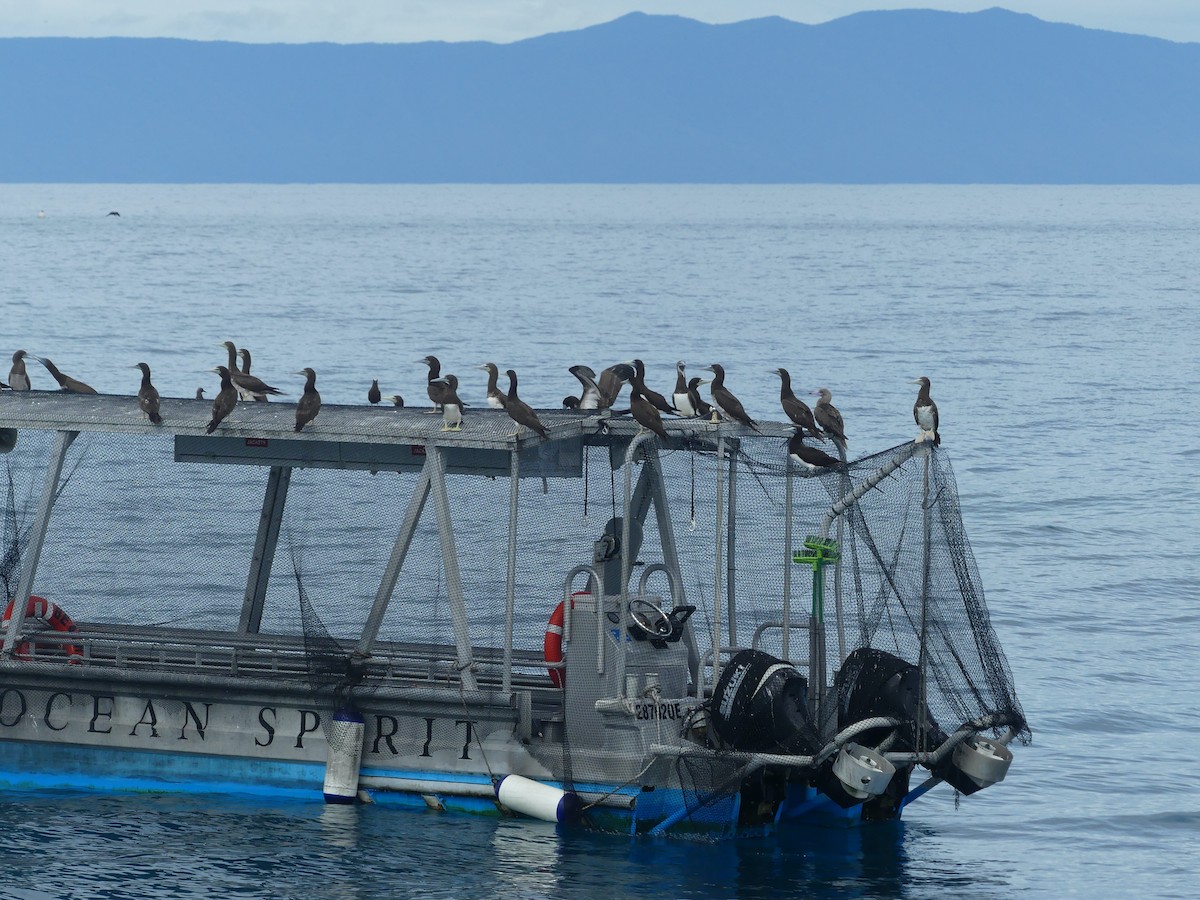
<point x="761" y="705"/>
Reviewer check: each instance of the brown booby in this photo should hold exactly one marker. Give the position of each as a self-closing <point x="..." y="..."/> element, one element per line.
<point x="247" y="385"/>
<point x="726" y="403"/>
<point x="828" y="417"/>
<point x="18" y="378"/>
<point x="310" y="402"/>
<point x="397" y="401"/>
<point x="373" y="395"/>
<point x="646" y="412"/>
<point x="811" y="458"/>
<point x="699" y="406"/>
<point x="245" y="356"/>
<point x="680" y="395"/>
<point x="199" y="393"/>
<point x="224" y="402"/>
<point x="795" y="408"/>
<point x="66" y="382"/>
<point x="495" y="397"/>
<point x="925" y="413"/>
<point x="589" y="398"/>
<point x="520" y="411"/>
<point x="433" y="386"/>
<point x="147" y="395"/>
<point x="657" y="400"/>
<point x="571" y="402"/>
<point x="611" y="381"/>
<point x="452" y="406"/>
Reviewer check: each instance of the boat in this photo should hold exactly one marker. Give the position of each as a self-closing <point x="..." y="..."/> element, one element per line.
<point x="601" y="628"/>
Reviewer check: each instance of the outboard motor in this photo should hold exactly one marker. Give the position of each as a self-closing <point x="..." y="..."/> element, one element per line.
<point x="876" y="683"/>
<point x="761" y="705"/>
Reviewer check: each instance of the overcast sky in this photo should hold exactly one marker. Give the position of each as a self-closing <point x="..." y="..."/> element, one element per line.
<point x="391" y="21"/>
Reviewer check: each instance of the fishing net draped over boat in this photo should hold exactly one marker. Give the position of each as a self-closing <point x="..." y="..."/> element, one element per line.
<point x="138" y="538"/>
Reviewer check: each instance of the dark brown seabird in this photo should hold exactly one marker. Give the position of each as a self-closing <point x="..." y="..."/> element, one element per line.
<point x="812" y="458"/>
<point x="373" y="395"/>
<point x="495" y="398"/>
<point x="224" y="402"/>
<point x="723" y="399"/>
<point x="611" y="381"/>
<point x="66" y="382"/>
<point x="829" y="418"/>
<point x="657" y="400"/>
<point x="397" y="401"/>
<point x="18" y="378"/>
<point x="199" y="393"/>
<point x="646" y="412"/>
<point x="434" y="387"/>
<point x="247" y="385"/>
<point x="795" y="408"/>
<point x="520" y="411"/>
<point x="147" y="395"/>
<point x="452" y="406"/>
<point x="925" y="413"/>
<point x="310" y="402"/>
<point x="698" y="403"/>
<point x="589" y="397"/>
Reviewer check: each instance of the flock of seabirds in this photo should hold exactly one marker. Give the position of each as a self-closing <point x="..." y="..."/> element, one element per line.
<point x="598" y="392"/>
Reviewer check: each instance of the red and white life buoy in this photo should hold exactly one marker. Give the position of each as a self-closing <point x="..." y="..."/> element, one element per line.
<point x="52" y="614"/>
<point x="552" y="647"/>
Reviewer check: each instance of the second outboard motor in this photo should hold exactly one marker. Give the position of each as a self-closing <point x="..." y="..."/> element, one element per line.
<point x="761" y="705"/>
<point x="876" y="683"/>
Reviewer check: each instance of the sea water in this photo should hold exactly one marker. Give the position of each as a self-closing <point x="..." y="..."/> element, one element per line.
<point x="1058" y="325"/>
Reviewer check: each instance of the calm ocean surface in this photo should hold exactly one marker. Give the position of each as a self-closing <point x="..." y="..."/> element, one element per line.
<point x="1059" y="327"/>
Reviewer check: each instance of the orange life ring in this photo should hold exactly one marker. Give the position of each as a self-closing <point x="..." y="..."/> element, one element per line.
<point x="52" y="614"/>
<point x="552" y="646"/>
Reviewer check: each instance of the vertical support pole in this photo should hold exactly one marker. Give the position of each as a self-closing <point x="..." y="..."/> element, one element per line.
<point x="731" y="546"/>
<point x="436" y="461"/>
<point x="923" y="656"/>
<point x="37" y="538"/>
<point x="787" y="562"/>
<point x="510" y="600"/>
<point x="274" y="498"/>
<point x="416" y="504"/>
<point x="718" y="627"/>
<point x="670" y="552"/>
<point x="838" y="609"/>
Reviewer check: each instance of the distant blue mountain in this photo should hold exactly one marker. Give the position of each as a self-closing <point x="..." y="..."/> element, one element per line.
<point x="910" y="96"/>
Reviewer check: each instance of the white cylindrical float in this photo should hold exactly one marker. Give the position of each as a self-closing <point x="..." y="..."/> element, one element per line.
<point x="863" y="772"/>
<point x="345" y="740"/>
<point x="983" y="761"/>
<point x="537" y="800"/>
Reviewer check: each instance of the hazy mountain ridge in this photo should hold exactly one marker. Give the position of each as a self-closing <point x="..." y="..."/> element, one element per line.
<point x="898" y="96"/>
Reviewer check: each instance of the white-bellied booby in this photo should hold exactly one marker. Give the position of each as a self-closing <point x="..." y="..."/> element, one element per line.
<point x="925" y="413"/>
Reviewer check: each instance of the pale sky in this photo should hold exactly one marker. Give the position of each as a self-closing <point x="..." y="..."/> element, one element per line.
<point x="402" y="21"/>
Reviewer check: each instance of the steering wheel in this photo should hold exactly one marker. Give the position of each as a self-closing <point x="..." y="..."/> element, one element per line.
<point x="650" y="618"/>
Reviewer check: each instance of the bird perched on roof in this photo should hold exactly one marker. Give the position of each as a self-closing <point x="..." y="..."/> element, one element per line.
<point x="699" y="406"/>
<point x="812" y="459"/>
<point x="571" y="402"/>
<point x="310" y="401"/>
<point x="373" y="395"/>
<point x="452" y="406"/>
<point x="199" y="393"/>
<point x="147" y="395"/>
<point x="829" y="418"/>
<point x="679" y="397"/>
<point x="249" y="387"/>
<point x="657" y="400"/>
<point x="434" y="387"/>
<point x="66" y="382"/>
<point x="520" y="411"/>
<point x="723" y="399"/>
<point x="795" y="408"/>
<point x="611" y="381"/>
<point x="589" y="397"/>
<point x="397" y="401"/>
<point x="224" y="402"/>
<point x="646" y="412"/>
<point x="18" y="378"/>
<point x="925" y="413"/>
<point x="495" y="397"/>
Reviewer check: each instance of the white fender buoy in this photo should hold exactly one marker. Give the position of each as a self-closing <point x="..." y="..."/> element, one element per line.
<point x="345" y="740"/>
<point x="537" y="800"/>
<point x="983" y="761"/>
